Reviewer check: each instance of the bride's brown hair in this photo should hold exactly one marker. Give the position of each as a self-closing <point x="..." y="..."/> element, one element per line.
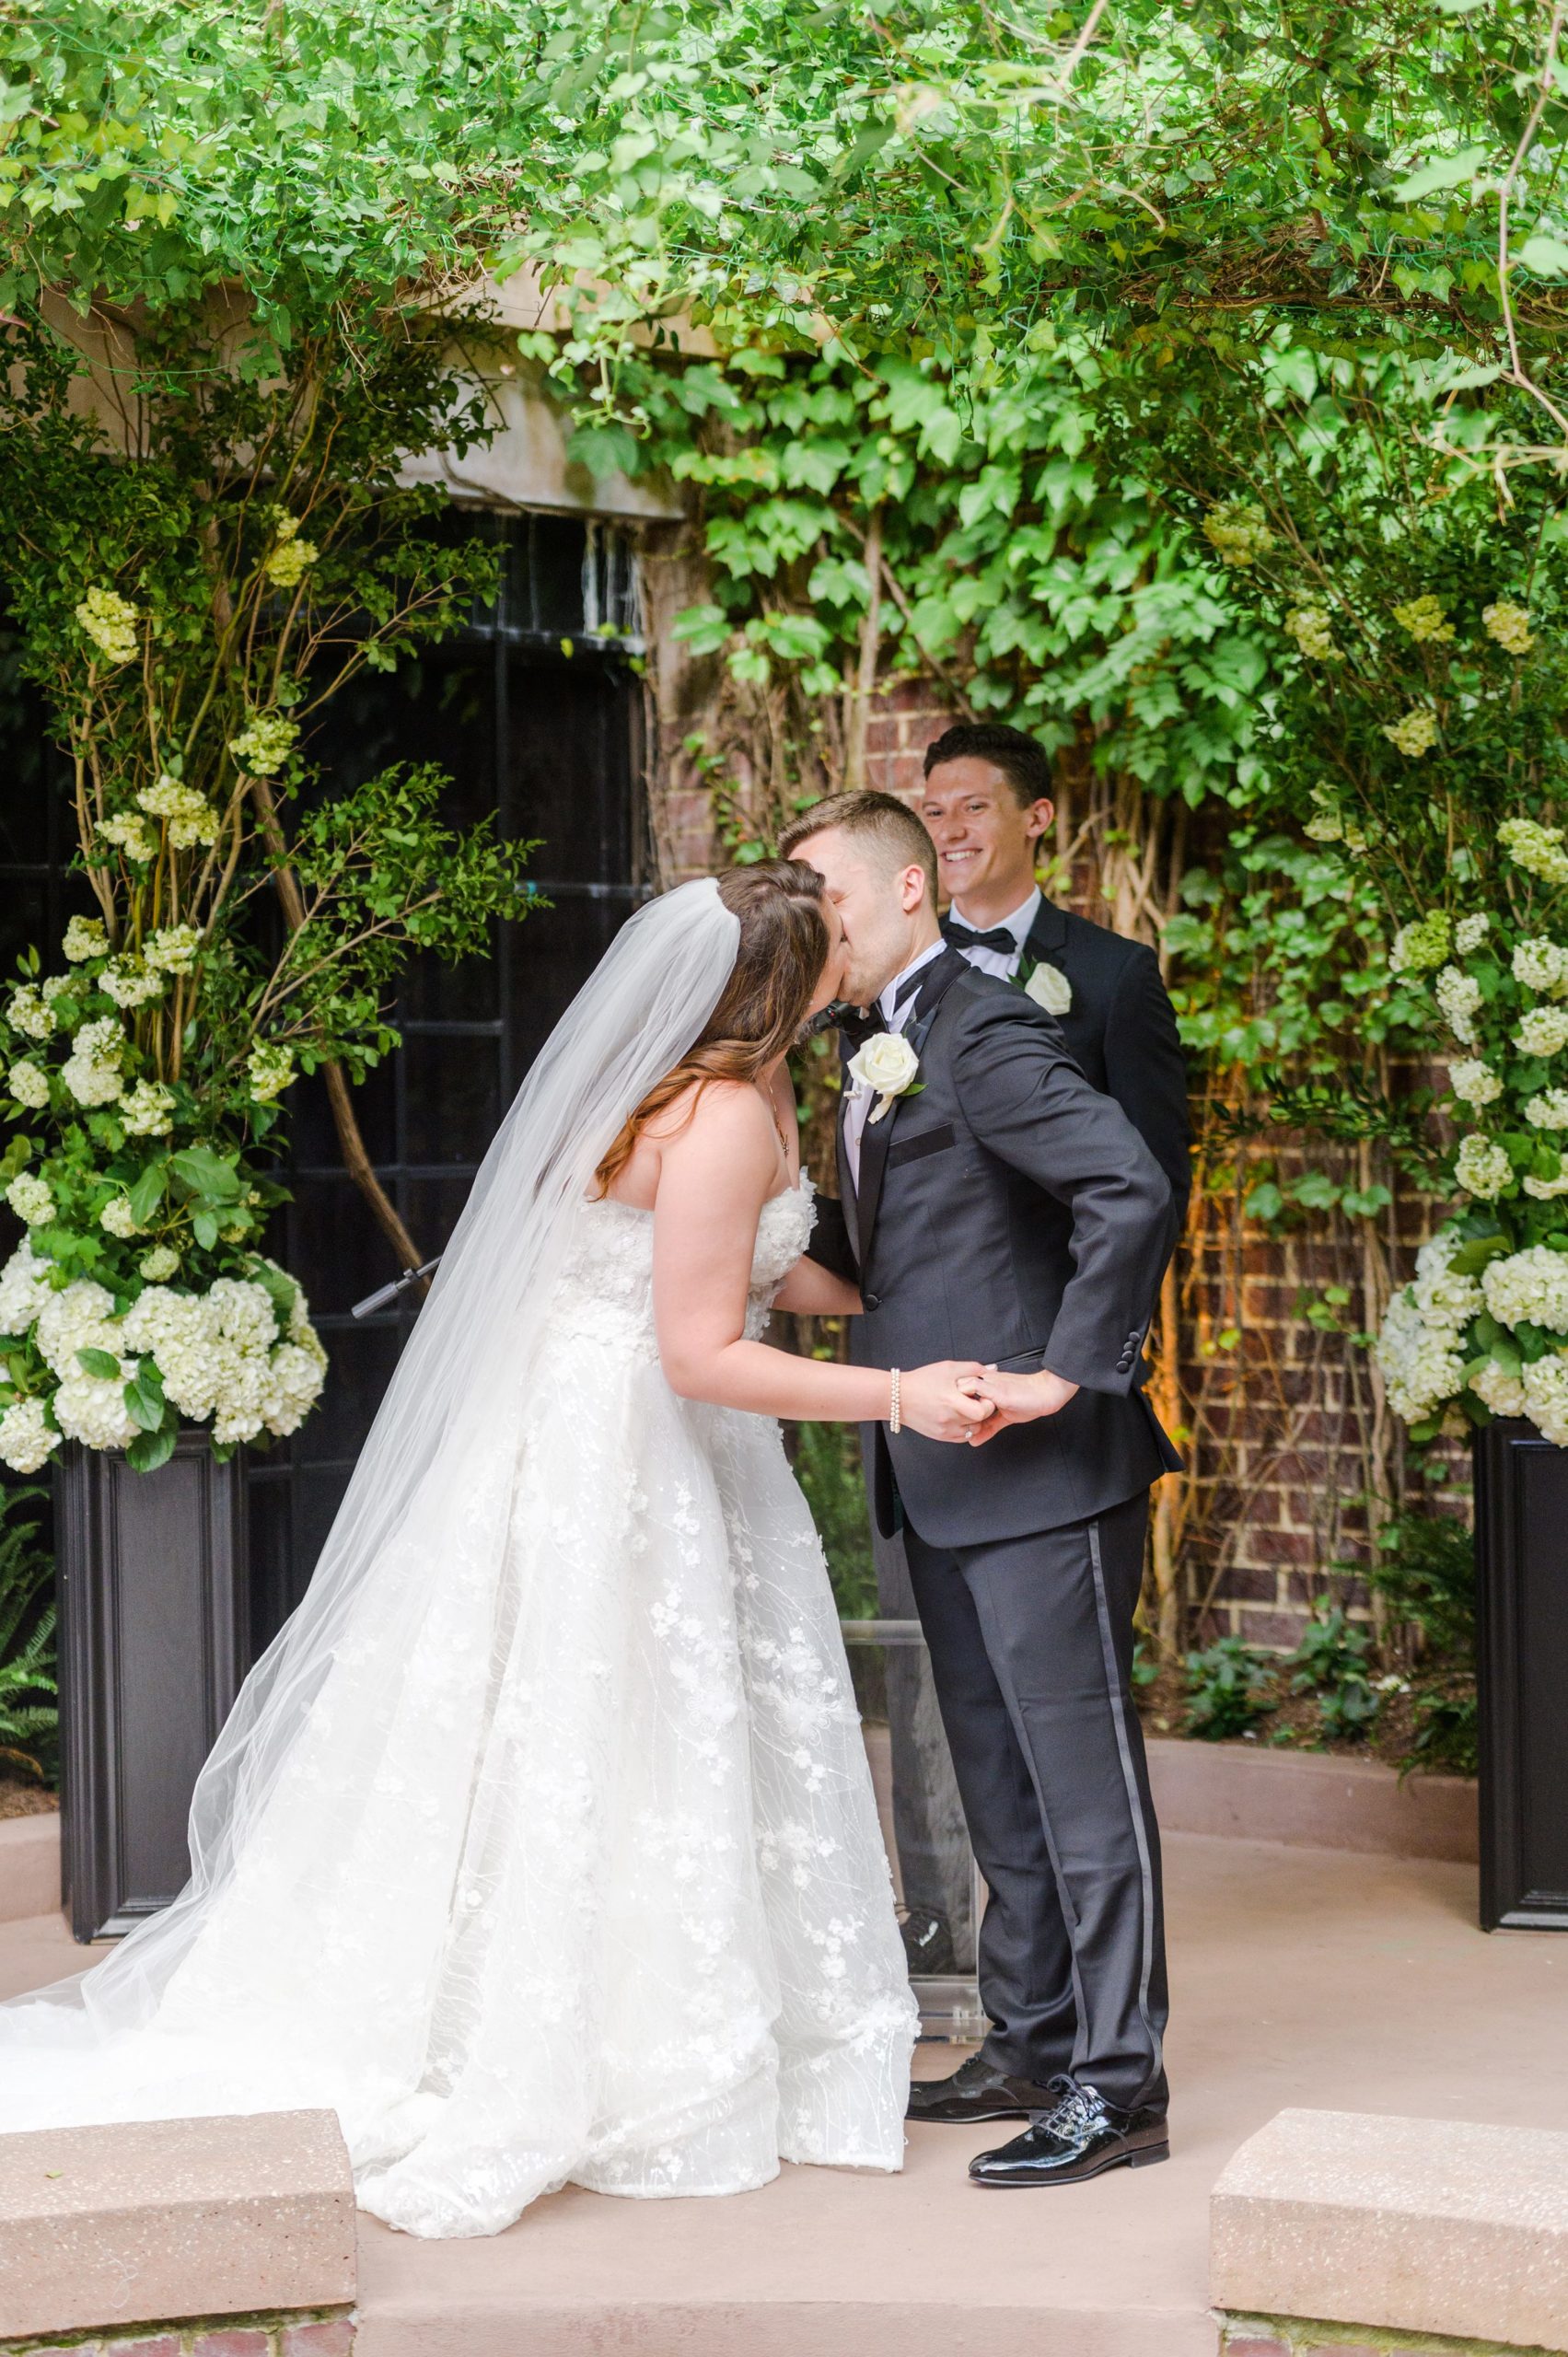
<point x="783" y="947"/>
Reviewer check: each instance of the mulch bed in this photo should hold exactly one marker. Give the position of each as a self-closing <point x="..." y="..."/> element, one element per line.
<point x="23" y="1796"/>
<point x="1294" y="1725"/>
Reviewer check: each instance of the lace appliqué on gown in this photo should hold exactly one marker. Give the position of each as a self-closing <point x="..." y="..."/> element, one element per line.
<point x="575" y="1874"/>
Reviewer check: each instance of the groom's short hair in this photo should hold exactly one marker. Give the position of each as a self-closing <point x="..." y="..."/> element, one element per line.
<point x="879" y="819"/>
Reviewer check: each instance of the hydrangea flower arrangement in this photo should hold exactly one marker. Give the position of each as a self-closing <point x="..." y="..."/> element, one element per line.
<point x="1483" y="1328"/>
<point x="137" y="1300"/>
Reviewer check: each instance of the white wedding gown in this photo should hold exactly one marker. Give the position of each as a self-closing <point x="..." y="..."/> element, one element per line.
<point x="573" y="1872"/>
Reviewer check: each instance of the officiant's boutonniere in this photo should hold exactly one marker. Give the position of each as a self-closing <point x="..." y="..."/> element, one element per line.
<point x="887" y="1064"/>
<point x="1049" y="987"/>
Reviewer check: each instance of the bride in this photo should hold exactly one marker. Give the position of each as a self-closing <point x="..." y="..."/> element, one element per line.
<point x="540" y="1845"/>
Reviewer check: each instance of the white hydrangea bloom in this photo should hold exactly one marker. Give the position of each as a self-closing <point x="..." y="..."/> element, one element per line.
<point x="1547" y="1109"/>
<point x="25" y="1438"/>
<point x="147" y="1110"/>
<point x="1482" y="1168"/>
<point x="1458" y="995"/>
<point x="30" y="1013"/>
<point x="160" y="1263"/>
<point x="1420" y="1346"/>
<point x="91" y="1071"/>
<point x="271" y="1070"/>
<point x="1422" y="1365"/>
<point x="28" y="1084"/>
<point x="85" y="937"/>
<point x="1540" y="965"/>
<point x="118" y="1218"/>
<point x="172" y="949"/>
<point x="1509" y="624"/>
<point x="78" y="1318"/>
<point x="1474" y="1083"/>
<point x="129" y="833"/>
<point x="188" y="816"/>
<point x="1469" y="933"/>
<point x="1543" y="1031"/>
<point x="1538" y="850"/>
<point x="110" y="620"/>
<point x="1546" y="1397"/>
<point x="1501" y="1392"/>
<point x="24" y="1288"/>
<point x="128" y="983"/>
<point x="91" y="1408"/>
<point x="29" y="1198"/>
<point x="1529" y="1287"/>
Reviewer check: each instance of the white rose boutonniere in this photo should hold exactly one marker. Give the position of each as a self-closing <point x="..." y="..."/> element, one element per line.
<point x="1049" y="987"/>
<point x="886" y="1064"/>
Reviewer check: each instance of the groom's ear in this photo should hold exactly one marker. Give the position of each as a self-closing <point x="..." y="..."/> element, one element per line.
<point x="914" y="886"/>
<point x="1037" y="818"/>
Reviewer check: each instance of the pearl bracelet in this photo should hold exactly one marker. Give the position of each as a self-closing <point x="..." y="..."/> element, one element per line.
<point x="895" y="1421"/>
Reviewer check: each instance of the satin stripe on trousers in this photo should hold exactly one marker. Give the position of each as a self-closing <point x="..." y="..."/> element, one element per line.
<point x="1031" y="1648"/>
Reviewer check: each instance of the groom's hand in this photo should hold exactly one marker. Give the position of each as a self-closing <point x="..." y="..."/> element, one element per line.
<point x="1017" y="1399"/>
<point x="938" y="1401"/>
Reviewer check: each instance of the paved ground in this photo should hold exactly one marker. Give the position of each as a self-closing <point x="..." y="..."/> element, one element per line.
<point x="1300" y="1977"/>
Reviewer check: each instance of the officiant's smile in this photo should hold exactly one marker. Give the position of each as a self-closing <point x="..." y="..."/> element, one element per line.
<point x="987" y="826"/>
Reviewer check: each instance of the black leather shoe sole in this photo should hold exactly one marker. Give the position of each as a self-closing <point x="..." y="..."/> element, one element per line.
<point x="1141" y="2157"/>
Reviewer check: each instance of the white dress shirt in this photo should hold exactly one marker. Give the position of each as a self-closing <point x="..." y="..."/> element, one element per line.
<point x="995" y="961"/>
<point x="895" y="1012"/>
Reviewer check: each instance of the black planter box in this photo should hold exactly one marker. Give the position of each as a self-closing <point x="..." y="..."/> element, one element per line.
<point x="152" y="1628"/>
<point x="1521" y="1501"/>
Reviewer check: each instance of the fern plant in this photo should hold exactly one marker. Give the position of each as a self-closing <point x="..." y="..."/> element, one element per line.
<point x="29" y="1716"/>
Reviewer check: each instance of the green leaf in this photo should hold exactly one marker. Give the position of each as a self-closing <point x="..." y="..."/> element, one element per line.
<point x="201" y="1172"/>
<point x="1546" y="255"/>
<point x="103" y="1364"/>
<point x="149" y="1450"/>
<point x="205" y="1228"/>
<point x="146" y="1192"/>
<point x="1444" y="171"/>
<point x="143" y="1406"/>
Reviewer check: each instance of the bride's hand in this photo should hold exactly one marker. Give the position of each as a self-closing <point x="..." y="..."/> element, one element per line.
<point x="930" y="1402"/>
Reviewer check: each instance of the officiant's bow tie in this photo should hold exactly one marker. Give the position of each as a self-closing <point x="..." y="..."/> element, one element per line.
<point x="964" y="936"/>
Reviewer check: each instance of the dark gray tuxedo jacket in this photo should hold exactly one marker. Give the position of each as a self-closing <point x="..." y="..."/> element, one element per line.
<point x="1007" y="1212"/>
<point x="1120" y="1030"/>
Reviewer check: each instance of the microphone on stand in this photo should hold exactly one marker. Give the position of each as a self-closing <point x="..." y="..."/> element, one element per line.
<point x="373" y="1301"/>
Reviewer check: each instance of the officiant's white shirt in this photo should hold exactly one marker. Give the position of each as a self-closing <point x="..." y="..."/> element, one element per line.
<point x="895" y="1011"/>
<point x="996" y="961"/>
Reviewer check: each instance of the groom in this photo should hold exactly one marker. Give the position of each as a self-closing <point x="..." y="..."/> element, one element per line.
<point x="997" y="1206"/>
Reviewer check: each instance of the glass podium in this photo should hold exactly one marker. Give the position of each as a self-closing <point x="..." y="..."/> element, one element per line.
<point x="936" y="1880"/>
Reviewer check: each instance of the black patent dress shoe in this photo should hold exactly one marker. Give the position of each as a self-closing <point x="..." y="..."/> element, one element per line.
<point x="928" y="1943"/>
<point x="1078" y="2138"/>
<point x="976" y="2092"/>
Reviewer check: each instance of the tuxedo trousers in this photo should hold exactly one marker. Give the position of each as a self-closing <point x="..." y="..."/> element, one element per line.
<point x="1031" y="1650"/>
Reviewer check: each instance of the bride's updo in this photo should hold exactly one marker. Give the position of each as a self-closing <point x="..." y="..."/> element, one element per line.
<point x="783" y="947"/>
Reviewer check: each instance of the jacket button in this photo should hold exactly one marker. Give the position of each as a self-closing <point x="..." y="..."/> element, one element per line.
<point x="871" y="1301"/>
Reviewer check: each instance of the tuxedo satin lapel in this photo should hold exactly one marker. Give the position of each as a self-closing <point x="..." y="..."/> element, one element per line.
<point x="1047" y="934"/>
<point x="877" y="1136"/>
<point x="847" y="1195"/>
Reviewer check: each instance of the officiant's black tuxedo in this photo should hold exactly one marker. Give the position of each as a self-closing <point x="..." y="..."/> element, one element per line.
<point x="1008" y="1211"/>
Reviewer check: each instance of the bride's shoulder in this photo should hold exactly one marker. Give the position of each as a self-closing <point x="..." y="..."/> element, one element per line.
<point x="723" y="1114"/>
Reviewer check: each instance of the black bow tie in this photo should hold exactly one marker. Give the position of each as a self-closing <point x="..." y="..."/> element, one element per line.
<point x="855" y="1024"/>
<point x="962" y="936"/>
